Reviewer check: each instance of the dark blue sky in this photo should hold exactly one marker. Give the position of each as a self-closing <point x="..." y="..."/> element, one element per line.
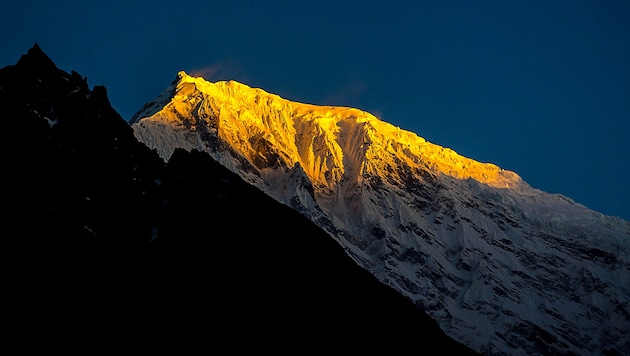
<point x="538" y="87"/>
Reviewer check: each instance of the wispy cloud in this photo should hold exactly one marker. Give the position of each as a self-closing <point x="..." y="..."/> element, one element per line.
<point x="220" y="70"/>
<point x="347" y="94"/>
<point x="352" y="93"/>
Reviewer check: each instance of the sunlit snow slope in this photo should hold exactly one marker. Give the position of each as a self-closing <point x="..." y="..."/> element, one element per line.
<point x="503" y="267"/>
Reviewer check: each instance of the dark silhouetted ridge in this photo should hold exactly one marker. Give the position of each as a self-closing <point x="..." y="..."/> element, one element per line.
<point x="110" y="247"/>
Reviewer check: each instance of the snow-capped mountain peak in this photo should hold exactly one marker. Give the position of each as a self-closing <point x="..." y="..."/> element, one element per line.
<point x="502" y="267"/>
<point x="330" y="143"/>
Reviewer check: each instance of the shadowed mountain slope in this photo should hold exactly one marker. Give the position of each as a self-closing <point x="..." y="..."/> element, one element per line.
<point x="109" y="246"/>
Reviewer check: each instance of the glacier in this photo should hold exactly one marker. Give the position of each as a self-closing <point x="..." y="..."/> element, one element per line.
<point x="503" y="267"/>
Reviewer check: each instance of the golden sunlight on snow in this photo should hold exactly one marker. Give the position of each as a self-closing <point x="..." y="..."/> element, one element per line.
<point x="330" y="143"/>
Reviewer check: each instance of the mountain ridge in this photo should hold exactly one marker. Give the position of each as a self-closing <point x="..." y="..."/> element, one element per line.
<point x="464" y="240"/>
<point x="330" y="119"/>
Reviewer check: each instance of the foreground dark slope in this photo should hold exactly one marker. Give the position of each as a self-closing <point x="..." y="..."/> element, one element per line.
<point x="107" y="246"/>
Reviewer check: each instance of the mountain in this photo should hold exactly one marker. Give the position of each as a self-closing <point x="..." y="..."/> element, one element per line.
<point x="109" y="247"/>
<point x="501" y="266"/>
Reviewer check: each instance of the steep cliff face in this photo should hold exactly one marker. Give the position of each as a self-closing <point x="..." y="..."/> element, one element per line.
<point x="503" y="267"/>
